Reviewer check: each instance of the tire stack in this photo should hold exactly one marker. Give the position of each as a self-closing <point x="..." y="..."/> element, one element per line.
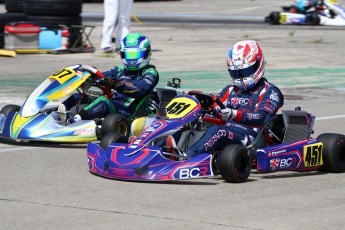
<point x="49" y="13"/>
<point x="14" y="13"/>
<point x="54" y="13"/>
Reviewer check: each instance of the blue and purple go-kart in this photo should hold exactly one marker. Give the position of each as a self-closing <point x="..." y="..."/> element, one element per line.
<point x="284" y="143"/>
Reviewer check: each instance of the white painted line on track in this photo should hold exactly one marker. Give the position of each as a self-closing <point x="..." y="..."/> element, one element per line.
<point x="329" y="117"/>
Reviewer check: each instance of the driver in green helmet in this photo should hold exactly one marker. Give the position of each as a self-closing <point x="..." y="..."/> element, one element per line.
<point x="130" y="82"/>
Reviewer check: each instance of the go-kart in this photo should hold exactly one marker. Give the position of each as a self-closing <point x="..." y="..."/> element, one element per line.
<point x="284" y="143"/>
<point x="327" y="13"/>
<point x="34" y="120"/>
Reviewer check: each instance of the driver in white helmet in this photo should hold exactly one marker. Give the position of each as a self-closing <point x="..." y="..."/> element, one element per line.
<point x="250" y="101"/>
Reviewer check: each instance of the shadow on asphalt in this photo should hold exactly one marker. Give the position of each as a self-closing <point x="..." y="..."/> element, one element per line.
<point x="42" y="144"/>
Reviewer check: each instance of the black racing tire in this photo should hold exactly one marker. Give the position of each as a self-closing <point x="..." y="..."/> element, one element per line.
<point x="53" y="7"/>
<point x="313" y="19"/>
<point x="10" y="17"/>
<point x="333" y="152"/>
<point x="14" y="5"/>
<point x="9" y="108"/>
<point x="274" y="18"/>
<point x="2" y="40"/>
<point x="55" y="20"/>
<point x="234" y="163"/>
<point x="61" y="20"/>
<point x="110" y="138"/>
<point x="116" y="123"/>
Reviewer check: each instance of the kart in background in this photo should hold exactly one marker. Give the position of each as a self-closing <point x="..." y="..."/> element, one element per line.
<point x="33" y="121"/>
<point x="284" y="143"/>
<point x="327" y="13"/>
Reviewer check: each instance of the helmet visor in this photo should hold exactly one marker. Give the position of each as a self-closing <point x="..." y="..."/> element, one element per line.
<point x="133" y="53"/>
<point x="237" y="73"/>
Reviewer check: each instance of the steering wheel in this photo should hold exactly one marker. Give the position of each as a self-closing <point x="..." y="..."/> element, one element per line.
<point x="209" y="113"/>
<point x="98" y="80"/>
<point x="206" y="100"/>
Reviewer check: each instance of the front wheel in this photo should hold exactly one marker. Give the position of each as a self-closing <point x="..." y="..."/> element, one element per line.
<point x="274" y="18"/>
<point x="234" y="163"/>
<point x="115" y="123"/>
<point x="333" y="152"/>
<point x="9" y="108"/>
<point x="113" y="137"/>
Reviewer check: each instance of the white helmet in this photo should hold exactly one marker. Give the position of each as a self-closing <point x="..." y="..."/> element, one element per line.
<point x="246" y="64"/>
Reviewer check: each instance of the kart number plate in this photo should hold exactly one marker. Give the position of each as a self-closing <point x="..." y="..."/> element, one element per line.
<point x="282" y="18"/>
<point x="63" y="75"/>
<point x="179" y="107"/>
<point x="312" y="155"/>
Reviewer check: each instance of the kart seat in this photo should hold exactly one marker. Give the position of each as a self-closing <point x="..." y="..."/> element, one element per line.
<point x="272" y="131"/>
<point x="165" y="95"/>
<point x="296" y="123"/>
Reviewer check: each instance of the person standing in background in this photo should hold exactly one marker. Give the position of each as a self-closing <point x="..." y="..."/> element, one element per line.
<point x="117" y="17"/>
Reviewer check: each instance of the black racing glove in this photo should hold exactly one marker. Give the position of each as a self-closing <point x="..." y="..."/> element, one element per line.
<point x="119" y="86"/>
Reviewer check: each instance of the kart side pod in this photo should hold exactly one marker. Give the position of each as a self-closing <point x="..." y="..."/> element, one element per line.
<point x="303" y="155"/>
<point x="326" y="152"/>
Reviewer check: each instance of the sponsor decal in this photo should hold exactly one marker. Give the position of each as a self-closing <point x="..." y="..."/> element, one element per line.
<point x="67" y="90"/>
<point x="124" y="112"/>
<point x="274" y="96"/>
<point x="274" y="164"/>
<point x="268" y="108"/>
<point x="79" y="73"/>
<point x="84" y="132"/>
<point x="253" y="116"/>
<point x="239" y="101"/>
<point x="185" y="173"/>
<point x="220" y="133"/>
<point x="276" y="152"/>
<point x="137" y="142"/>
<point x="149" y="78"/>
<point x="97" y="108"/>
<point x="148" y="81"/>
<point x="145" y="134"/>
<point x="287" y="162"/>
<point x="157" y="125"/>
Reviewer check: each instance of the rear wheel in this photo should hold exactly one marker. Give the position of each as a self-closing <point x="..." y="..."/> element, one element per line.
<point x="115" y="123"/>
<point x="274" y="18"/>
<point x="112" y="138"/>
<point x="9" y="108"/>
<point x="234" y="163"/>
<point x="333" y="152"/>
<point x="313" y="19"/>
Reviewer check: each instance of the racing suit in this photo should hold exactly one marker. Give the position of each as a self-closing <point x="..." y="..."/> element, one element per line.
<point x="303" y="5"/>
<point x="254" y="108"/>
<point x="135" y="85"/>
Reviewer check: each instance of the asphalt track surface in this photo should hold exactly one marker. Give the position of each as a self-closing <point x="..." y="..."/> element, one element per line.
<point x="48" y="186"/>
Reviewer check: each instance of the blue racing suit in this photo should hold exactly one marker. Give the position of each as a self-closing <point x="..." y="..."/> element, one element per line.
<point x="303" y="5"/>
<point x="254" y="108"/>
<point x="137" y="85"/>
